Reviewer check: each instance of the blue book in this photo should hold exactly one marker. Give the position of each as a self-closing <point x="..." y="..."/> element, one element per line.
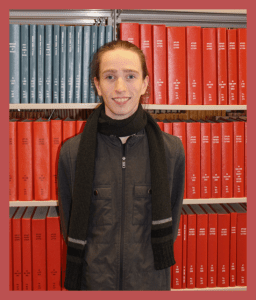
<point x="56" y="64"/>
<point x="93" y="50"/>
<point x="78" y="63"/>
<point x="48" y="64"/>
<point x="109" y="34"/>
<point x="24" y="64"/>
<point x="63" y="64"/>
<point x="101" y="42"/>
<point x="40" y="64"/>
<point x="70" y="64"/>
<point x="32" y="63"/>
<point x="14" y="63"/>
<point x="86" y="64"/>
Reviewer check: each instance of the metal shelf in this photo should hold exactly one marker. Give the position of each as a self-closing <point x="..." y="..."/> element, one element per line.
<point x="145" y="106"/>
<point x="185" y="201"/>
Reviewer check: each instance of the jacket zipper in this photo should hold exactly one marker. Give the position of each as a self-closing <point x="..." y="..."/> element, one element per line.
<point x="122" y="215"/>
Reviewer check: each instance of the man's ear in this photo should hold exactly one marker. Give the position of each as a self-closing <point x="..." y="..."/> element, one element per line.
<point x="97" y="84"/>
<point x="145" y="84"/>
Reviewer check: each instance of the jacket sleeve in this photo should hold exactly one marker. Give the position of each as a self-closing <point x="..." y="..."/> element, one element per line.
<point x="64" y="189"/>
<point x="178" y="186"/>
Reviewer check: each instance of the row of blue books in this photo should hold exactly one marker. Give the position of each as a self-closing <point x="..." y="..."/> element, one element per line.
<point x="51" y="63"/>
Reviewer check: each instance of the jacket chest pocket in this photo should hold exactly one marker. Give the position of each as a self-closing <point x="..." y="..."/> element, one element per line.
<point x="102" y="205"/>
<point x="142" y="205"/>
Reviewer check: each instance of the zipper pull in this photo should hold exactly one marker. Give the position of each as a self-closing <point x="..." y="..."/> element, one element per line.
<point x="123" y="162"/>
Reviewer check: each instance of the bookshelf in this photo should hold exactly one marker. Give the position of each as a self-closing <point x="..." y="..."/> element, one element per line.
<point x="209" y="18"/>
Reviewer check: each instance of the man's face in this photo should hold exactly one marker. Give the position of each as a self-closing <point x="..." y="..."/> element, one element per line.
<point x="121" y="83"/>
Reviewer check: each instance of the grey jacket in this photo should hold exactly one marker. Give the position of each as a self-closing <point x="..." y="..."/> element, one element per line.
<point x="118" y="254"/>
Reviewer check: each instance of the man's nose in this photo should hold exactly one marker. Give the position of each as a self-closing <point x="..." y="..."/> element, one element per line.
<point x="120" y="85"/>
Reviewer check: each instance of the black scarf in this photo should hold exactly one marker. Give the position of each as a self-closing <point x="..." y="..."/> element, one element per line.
<point x="161" y="228"/>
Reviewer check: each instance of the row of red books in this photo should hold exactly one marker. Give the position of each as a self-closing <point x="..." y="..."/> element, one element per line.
<point x="35" y="249"/>
<point x="216" y="157"/>
<point x="210" y="249"/>
<point x="192" y="65"/>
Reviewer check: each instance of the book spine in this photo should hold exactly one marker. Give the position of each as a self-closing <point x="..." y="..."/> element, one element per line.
<point x="69" y="130"/>
<point x="55" y="142"/>
<point x="245" y="159"/>
<point x="41" y="160"/>
<point x="222" y="65"/>
<point x="13" y="192"/>
<point x="209" y="66"/>
<point x="63" y="63"/>
<point x="238" y="159"/>
<point x="93" y="49"/>
<point x="160" y="64"/>
<point x="109" y="34"/>
<point x="24" y="40"/>
<point x="177" y="268"/>
<point x="176" y="60"/>
<point x="212" y="250"/>
<point x="242" y="65"/>
<point x="191" y="253"/>
<point x="233" y="234"/>
<point x="193" y="160"/>
<point x="33" y="63"/>
<point x="194" y="65"/>
<point x="205" y="160"/>
<point x="40" y="63"/>
<point x="53" y="252"/>
<point x="25" y="174"/>
<point x="48" y="64"/>
<point x="146" y="46"/>
<point x="14" y="63"/>
<point x="26" y="254"/>
<point x="86" y="64"/>
<point x="56" y="64"/>
<point x="17" y="266"/>
<point x="227" y="159"/>
<point x="184" y="252"/>
<point x="78" y="63"/>
<point x="232" y="66"/>
<point x="70" y="64"/>
<point x="216" y="159"/>
<point x="242" y="249"/>
<point x="130" y="32"/>
<point x="100" y="43"/>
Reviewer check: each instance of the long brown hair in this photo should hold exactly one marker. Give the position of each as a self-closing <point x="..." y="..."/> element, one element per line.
<point x="95" y="63"/>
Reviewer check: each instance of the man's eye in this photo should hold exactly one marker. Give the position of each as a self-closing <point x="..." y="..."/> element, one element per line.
<point x="131" y="76"/>
<point x="110" y="77"/>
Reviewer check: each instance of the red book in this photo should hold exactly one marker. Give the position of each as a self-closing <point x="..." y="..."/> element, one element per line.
<point x="215" y="158"/>
<point x="177" y="268"/>
<point x="209" y="66"/>
<point x="227" y="152"/>
<point x="168" y="126"/>
<point x="80" y="126"/>
<point x="206" y="189"/>
<point x="69" y="129"/>
<point x="176" y="60"/>
<point x="211" y="246"/>
<point x="17" y="250"/>
<point x="130" y="32"/>
<point x="184" y="249"/>
<point x="53" y="243"/>
<point x="39" y="248"/>
<point x="201" y="245"/>
<point x="223" y="245"/>
<point x="222" y="66"/>
<point x="232" y="66"/>
<point x="41" y="159"/>
<point x="63" y="262"/>
<point x="191" y="247"/>
<point x="25" y="171"/>
<point x="245" y="159"/>
<point x="160" y="124"/>
<point x="160" y="64"/>
<point x="146" y="45"/>
<point x="232" y="257"/>
<point x="194" y="65"/>
<point x="55" y="145"/>
<point x="12" y="211"/>
<point x="242" y="65"/>
<point x="241" y="247"/>
<point x="179" y="130"/>
<point x="26" y="233"/>
<point x="193" y="159"/>
<point x="13" y="184"/>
